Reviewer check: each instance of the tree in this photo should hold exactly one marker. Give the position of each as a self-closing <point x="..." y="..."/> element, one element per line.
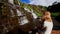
<point x="54" y="7"/>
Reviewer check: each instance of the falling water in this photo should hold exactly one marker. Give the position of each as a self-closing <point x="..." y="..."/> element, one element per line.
<point x="27" y="10"/>
<point x="19" y="13"/>
<point x="11" y="1"/>
<point x="23" y="20"/>
<point x="33" y="14"/>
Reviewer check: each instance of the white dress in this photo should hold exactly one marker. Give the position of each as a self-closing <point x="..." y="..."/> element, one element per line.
<point x="49" y="26"/>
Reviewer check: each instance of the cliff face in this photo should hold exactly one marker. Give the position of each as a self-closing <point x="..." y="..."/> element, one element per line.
<point x="9" y="18"/>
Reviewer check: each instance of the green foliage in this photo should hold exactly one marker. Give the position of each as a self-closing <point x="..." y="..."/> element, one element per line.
<point x="39" y="14"/>
<point x="21" y="4"/>
<point x="29" y="7"/>
<point x="55" y="14"/>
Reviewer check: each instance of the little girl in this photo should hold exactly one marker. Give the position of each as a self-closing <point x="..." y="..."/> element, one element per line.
<point x="48" y="22"/>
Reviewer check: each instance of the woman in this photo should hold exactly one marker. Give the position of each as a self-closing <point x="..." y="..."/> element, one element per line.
<point x="48" y="22"/>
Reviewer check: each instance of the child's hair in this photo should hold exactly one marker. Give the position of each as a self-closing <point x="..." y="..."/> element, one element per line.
<point x="45" y="12"/>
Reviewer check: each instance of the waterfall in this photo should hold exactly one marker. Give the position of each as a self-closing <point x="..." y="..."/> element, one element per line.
<point x="11" y="1"/>
<point x="19" y="13"/>
<point x="27" y="10"/>
<point x="23" y="20"/>
<point x="33" y="14"/>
